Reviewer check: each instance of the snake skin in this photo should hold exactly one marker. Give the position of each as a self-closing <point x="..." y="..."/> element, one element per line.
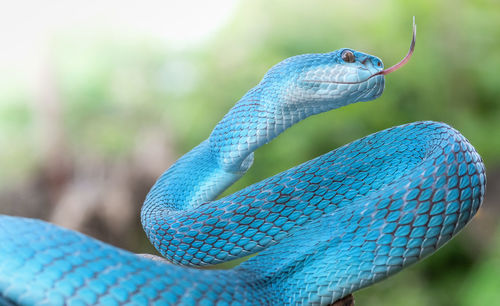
<point x="323" y="229"/>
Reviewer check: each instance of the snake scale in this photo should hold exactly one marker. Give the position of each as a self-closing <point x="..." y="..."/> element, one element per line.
<point x="322" y="230"/>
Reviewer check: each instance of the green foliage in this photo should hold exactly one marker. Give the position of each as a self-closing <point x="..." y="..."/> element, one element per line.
<point x="16" y="121"/>
<point x="481" y="286"/>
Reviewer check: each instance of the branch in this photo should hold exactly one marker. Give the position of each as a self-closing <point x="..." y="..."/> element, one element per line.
<point x="346" y="301"/>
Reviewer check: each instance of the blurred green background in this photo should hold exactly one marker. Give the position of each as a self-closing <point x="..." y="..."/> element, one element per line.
<point x="98" y="99"/>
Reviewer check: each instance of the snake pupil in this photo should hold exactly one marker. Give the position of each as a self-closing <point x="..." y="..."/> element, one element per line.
<point x="348" y="56"/>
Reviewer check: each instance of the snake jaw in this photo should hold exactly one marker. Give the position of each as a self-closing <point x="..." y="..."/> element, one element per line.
<point x="342" y="82"/>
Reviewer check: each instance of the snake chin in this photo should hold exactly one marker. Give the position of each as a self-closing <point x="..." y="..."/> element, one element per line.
<point x="374" y="91"/>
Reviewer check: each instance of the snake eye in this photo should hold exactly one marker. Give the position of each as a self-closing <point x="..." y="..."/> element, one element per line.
<point x="348" y="56"/>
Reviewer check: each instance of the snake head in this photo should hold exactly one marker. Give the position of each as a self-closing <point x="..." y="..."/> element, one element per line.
<point x="313" y="83"/>
<point x="320" y="82"/>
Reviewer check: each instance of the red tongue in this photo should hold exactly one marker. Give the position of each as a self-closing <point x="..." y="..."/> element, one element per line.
<point x="407" y="57"/>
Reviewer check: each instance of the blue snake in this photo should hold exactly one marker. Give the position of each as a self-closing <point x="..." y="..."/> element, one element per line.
<point x="322" y="230"/>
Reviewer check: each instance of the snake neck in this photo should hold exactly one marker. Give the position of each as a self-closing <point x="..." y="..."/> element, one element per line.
<point x="261" y="115"/>
<point x="211" y="167"/>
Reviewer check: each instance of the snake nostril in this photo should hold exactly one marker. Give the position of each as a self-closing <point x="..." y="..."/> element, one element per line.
<point x="364" y="61"/>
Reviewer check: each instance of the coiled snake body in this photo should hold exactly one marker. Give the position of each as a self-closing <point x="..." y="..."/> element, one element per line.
<point x="323" y="229"/>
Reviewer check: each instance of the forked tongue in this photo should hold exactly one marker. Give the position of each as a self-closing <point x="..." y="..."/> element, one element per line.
<point x="407" y="57"/>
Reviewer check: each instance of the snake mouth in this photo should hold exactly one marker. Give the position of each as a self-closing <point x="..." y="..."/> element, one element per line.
<point x="340" y="82"/>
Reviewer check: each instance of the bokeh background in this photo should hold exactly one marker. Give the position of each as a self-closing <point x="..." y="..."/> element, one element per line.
<point x="98" y="98"/>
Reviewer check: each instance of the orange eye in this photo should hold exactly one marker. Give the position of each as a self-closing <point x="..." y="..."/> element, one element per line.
<point x="348" y="56"/>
